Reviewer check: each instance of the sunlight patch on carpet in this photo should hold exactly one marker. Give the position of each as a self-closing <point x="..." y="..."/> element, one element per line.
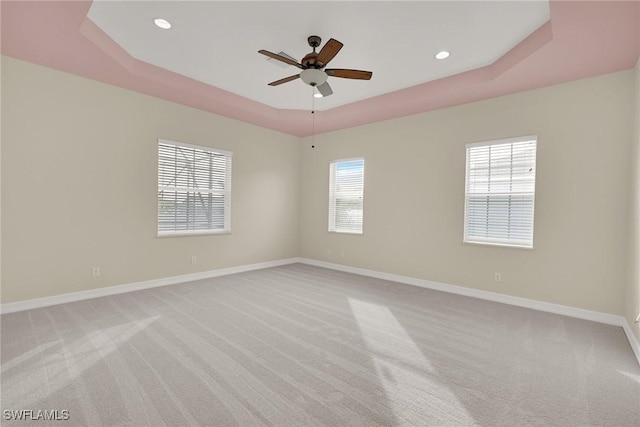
<point x="66" y="361"/>
<point x="408" y="378"/>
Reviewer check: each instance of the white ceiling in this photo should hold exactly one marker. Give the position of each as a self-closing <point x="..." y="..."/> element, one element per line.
<point x="216" y="42"/>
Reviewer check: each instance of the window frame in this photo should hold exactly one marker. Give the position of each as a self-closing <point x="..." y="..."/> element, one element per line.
<point x="496" y="241"/>
<point x="332" y="227"/>
<point x="226" y="192"/>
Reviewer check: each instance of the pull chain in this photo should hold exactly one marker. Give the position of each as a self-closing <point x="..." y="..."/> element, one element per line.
<point x="313" y="119"/>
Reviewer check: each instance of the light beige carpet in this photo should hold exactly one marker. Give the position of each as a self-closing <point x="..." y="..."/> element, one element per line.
<point x="305" y="346"/>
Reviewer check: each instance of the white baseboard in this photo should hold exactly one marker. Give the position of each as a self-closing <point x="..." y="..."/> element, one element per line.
<point x="633" y="341"/>
<point x="610" y="319"/>
<point x="580" y="313"/>
<point x="13" y="307"/>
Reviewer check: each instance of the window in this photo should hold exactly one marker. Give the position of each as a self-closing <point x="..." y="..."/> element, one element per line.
<point x="194" y="189"/>
<point x="499" y="192"/>
<point x="346" y="190"/>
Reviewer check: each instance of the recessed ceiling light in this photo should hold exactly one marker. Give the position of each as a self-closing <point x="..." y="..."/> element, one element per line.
<point x="317" y="95"/>
<point x="162" y="23"/>
<point x="443" y="54"/>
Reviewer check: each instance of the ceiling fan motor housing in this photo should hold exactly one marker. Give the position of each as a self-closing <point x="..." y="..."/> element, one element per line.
<point x="310" y="61"/>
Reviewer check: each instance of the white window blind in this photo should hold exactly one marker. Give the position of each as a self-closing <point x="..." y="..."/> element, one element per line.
<point x="194" y="189"/>
<point x="346" y="191"/>
<point x="500" y="192"/>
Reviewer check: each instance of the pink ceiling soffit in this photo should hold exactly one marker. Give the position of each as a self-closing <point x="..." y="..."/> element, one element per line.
<point x="582" y="39"/>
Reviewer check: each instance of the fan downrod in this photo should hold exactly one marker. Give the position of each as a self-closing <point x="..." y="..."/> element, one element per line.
<point x="309" y="61"/>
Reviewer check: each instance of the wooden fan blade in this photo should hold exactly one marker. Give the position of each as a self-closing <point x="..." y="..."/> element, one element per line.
<point x="349" y="74"/>
<point x="286" y="79"/>
<point x="328" y="51"/>
<point x="325" y="89"/>
<point x="280" y="58"/>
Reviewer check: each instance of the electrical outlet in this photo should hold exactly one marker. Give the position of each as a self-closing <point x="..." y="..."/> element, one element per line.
<point x="95" y="272"/>
<point x="194" y="260"/>
<point x="498" y="277"/>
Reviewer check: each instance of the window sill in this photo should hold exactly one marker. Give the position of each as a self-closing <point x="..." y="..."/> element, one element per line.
<point x="192" y="233"/>
<point x="498" y="245"/>
<point x="355" y="233"/>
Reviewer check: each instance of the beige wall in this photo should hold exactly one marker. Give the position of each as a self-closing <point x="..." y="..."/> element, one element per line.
<point x="79" y="190"/>
<point x="632" y="295"/>
<point x="414" y="194"/>
<point x="79" y="163"/>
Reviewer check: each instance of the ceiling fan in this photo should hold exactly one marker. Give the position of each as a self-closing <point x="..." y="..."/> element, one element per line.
<point x="312" y="65"/>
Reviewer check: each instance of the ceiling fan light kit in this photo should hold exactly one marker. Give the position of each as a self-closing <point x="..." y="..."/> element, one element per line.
<point x="313" y="76"/>
<point x="313" y="64"/>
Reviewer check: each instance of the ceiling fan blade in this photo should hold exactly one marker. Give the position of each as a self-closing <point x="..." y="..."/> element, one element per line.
<point x="280" y="58"/>
<point x="328" y="51"/>
<point x="325" y="89"/>
<point x="285" y="80"/>
<point x="349" y="74"/>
